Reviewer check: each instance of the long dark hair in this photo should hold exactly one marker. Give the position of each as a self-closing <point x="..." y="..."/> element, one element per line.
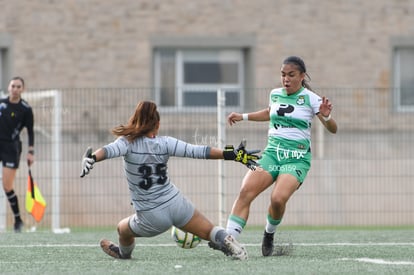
<point x="144" y="120"/>
<point x="298" y="62"/>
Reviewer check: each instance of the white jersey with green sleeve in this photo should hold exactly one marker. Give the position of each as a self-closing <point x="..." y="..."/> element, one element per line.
<point x="291" y="115"/>
<point x="145" y="165"/>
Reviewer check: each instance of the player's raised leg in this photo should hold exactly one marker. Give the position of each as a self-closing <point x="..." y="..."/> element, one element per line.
<point x="126" y="242"/>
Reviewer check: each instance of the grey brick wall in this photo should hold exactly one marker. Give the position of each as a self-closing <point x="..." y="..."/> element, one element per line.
<point x="105" y="43"/>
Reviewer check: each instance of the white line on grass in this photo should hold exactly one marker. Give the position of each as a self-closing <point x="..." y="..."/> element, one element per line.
<point x="352" y="244"/>
<point x="47" y="245"/>
<point x="173" y="244"/>
<point x="378" y="261"/>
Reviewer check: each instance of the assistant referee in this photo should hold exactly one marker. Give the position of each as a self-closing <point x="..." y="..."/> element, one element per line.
<point x="15" y="114"/>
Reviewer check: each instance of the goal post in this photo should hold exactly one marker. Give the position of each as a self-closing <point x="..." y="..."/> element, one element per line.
<point x="221" y="133"/>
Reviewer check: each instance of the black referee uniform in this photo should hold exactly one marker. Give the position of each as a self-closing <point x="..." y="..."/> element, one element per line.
<point x="13" y="118"/>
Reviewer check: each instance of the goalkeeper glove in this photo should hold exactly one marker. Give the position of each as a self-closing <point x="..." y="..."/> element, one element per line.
<point x="240" y="154"/>
<point x="87" y="162"/>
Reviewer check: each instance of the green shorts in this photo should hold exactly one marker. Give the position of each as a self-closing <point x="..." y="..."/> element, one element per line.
<point x="278" y="158"/>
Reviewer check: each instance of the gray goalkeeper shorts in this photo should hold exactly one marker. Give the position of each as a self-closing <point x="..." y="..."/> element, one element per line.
<point x="151" y="223"/>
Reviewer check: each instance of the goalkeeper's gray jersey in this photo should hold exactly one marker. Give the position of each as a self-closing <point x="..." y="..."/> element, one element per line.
<point x="145" y="165"/>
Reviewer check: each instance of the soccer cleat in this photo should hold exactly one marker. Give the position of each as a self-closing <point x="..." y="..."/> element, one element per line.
<point x="267" y="244"/>
<point x="222" y="248"/>
<point x="112" y="249"/>
<point x="18" y="226"/>
<point x="237" y="250"/>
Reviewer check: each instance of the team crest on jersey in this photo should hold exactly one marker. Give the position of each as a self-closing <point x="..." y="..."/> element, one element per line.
<point x="300" y="100"/>
<point x="274" y="98"/>
<point x="301" y="146"/>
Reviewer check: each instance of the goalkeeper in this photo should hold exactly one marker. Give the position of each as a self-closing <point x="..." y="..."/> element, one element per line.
<point x="158" y="203"/>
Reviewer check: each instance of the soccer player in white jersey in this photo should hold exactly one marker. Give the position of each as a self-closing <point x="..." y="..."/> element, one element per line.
<point x="158" y="203"/>
<point x="287" y="157"/>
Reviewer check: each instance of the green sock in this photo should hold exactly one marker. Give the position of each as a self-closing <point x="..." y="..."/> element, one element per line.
<point x="271" y="224"/>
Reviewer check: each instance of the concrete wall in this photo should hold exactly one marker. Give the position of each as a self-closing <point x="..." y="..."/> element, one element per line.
<point x="98" y="43"/>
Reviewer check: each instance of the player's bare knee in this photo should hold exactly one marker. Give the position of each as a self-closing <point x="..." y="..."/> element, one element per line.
<point x="246" y="196"/>
<point x="122" y="227"/>
<point x="278" y="202"/>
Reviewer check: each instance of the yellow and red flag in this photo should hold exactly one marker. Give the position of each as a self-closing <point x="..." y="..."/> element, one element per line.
<point x="35" y="203"/>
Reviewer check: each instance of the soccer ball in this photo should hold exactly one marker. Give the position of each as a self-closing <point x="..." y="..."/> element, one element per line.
<point x="184" y="239"/>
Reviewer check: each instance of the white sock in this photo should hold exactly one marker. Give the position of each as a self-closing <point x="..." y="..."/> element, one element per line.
<point x="270" y="228"/>
<point x="271" y="224"/>
<point x="217" y="235"/>
<point x="234" y="229"/>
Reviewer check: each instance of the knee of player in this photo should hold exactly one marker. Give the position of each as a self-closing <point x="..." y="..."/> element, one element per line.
<point x="278" y="201"/>
<point x="247" y="194"/>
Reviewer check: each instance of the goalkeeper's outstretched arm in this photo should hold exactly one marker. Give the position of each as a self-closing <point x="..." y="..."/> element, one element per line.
<point x="89" y="159"/>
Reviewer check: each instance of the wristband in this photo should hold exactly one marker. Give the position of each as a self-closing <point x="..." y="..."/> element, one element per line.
<point x="245" y="116"/>
<point x="327" y="118"/>
<point x="228" y="153"/>
<point x="31" y="152"/>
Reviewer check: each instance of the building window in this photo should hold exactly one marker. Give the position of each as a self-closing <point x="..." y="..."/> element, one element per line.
<point x="192" y="77"/>
<point x="5" y="61"/>
<point x="4" y="71"/>
<point x="403" y="86"/>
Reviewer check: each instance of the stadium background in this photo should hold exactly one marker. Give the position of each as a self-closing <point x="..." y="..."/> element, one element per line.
<point x="99" y="56"/>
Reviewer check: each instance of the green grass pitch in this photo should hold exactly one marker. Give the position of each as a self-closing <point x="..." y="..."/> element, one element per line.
<point x="306" y="251"/>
